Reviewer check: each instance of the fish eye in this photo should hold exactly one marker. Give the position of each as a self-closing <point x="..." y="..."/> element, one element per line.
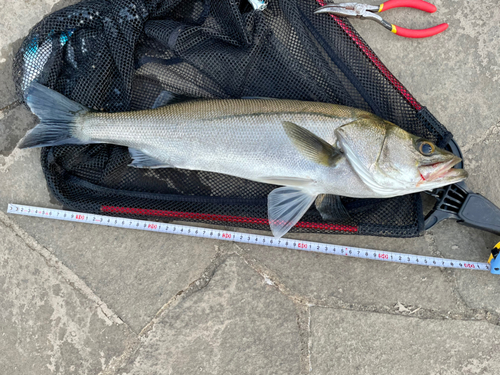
<point x="426" y="148"/>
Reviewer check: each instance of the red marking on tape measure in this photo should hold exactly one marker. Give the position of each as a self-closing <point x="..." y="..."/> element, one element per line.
<point x="224" y="218"/>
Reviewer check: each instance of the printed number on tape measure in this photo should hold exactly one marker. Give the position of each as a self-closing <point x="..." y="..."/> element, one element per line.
<point x="225" y="235"/>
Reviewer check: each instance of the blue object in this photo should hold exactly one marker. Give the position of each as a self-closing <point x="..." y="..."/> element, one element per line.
<point x="495" y="265"/>
<point x="258" y="4"/>
<point x="65" y="35"/>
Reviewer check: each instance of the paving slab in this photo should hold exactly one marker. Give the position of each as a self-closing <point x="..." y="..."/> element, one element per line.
<point x="482" y="161"/>
<point x="238" y="324"/>
<point x="14" y="124"/>
<point x="19" y="17"/>
<point x="135" y="272"/>
<point x="360" y="343"/>
<point x="47" y="326"/>
<point x="328" y="279"/>
<point x="7" y="94"/>
<point x="479" y="290"/>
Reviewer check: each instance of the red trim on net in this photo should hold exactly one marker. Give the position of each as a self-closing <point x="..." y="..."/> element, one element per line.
<point x="224" y="218"/>
<point x="375" y="60"/>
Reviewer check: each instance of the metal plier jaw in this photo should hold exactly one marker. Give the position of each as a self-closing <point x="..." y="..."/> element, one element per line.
<point x="365" y="11"/>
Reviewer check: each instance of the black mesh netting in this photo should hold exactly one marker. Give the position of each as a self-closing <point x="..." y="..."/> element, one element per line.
<point x="120" y="55"/>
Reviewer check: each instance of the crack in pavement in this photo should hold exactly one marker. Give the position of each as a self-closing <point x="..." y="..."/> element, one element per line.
<point x="303" y="304"/>
<point x="200" y="283"/>
<point x="304" y="324"/>
<point x="193" y="287"/>
<point x="68" y="275"/>
<point x="418" y="312"/>
<point x="10" y="106"/>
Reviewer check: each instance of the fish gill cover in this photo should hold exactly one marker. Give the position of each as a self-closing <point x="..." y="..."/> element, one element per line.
<point x="120" y="55"/>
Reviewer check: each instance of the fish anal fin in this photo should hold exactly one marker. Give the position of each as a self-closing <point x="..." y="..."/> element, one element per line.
<point x="286" y="206"/>
<point x="312" y="146"/>
<point x="331" y="208"/>
<point x="142" y="160"/>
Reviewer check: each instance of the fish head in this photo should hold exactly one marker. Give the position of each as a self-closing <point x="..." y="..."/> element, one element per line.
<point x="392" y="161"/>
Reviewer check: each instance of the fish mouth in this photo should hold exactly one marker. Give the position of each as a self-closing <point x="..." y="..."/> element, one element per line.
<point x="442" y="172"/>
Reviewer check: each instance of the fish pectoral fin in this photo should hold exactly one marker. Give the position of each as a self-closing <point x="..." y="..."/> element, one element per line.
<point x="285" y="207"/>
<point x="312" y="146"/>
<point x="285" y="180"/>
<point x="141" y="160"/>
<point x="331" y="208"/>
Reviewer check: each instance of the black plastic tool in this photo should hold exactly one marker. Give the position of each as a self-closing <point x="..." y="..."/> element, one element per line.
<point x="458" y="202"/>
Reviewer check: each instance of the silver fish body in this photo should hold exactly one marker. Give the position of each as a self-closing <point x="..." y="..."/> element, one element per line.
<point x="314" y="150"/>
<point x="243" y="138"/>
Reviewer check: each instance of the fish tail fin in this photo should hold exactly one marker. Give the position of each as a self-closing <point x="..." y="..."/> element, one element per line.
<point x="58" y="119"/>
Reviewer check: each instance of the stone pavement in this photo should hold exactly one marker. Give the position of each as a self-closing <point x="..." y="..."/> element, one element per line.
<point x="76" y="299"/>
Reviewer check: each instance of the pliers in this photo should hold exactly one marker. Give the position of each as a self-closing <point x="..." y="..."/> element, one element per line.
<point x="365" y="11"/>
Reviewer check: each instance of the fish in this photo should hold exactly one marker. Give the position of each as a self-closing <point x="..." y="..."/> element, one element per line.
<point x="315" y="152"/>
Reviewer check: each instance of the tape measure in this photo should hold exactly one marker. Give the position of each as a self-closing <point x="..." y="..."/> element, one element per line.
<point x="255" y="239"/>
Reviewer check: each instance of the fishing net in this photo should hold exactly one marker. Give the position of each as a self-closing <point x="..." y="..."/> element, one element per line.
<point x="121" y="55"/>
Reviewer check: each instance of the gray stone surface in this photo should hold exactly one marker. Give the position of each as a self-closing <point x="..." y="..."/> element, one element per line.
<point x="128" y="302"/>
<point x="13" y="125"/>
<point x="327" y="279"/>
<point x="7" y="94"/>
<point x="359" y="343"/>
<point x="238" y="324"/>
<point x="476" y="288"/>
<point x="135" y="272"/>
<point x="47" y="326"/>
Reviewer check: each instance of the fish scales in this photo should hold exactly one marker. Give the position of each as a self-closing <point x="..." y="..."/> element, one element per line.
<point x="243" y="138"/>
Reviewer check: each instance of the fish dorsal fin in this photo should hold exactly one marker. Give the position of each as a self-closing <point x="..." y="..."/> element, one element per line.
<point x="285" y="206"/>
<point x="312" y="146"/>
<point x="331" y="208"/>
<point x="141" y="160"/>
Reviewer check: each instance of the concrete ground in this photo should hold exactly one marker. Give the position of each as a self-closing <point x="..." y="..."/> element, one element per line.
<point x="79" y="299"/>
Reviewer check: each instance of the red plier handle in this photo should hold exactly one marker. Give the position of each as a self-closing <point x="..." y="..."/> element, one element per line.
<point x="418" y="4"/>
